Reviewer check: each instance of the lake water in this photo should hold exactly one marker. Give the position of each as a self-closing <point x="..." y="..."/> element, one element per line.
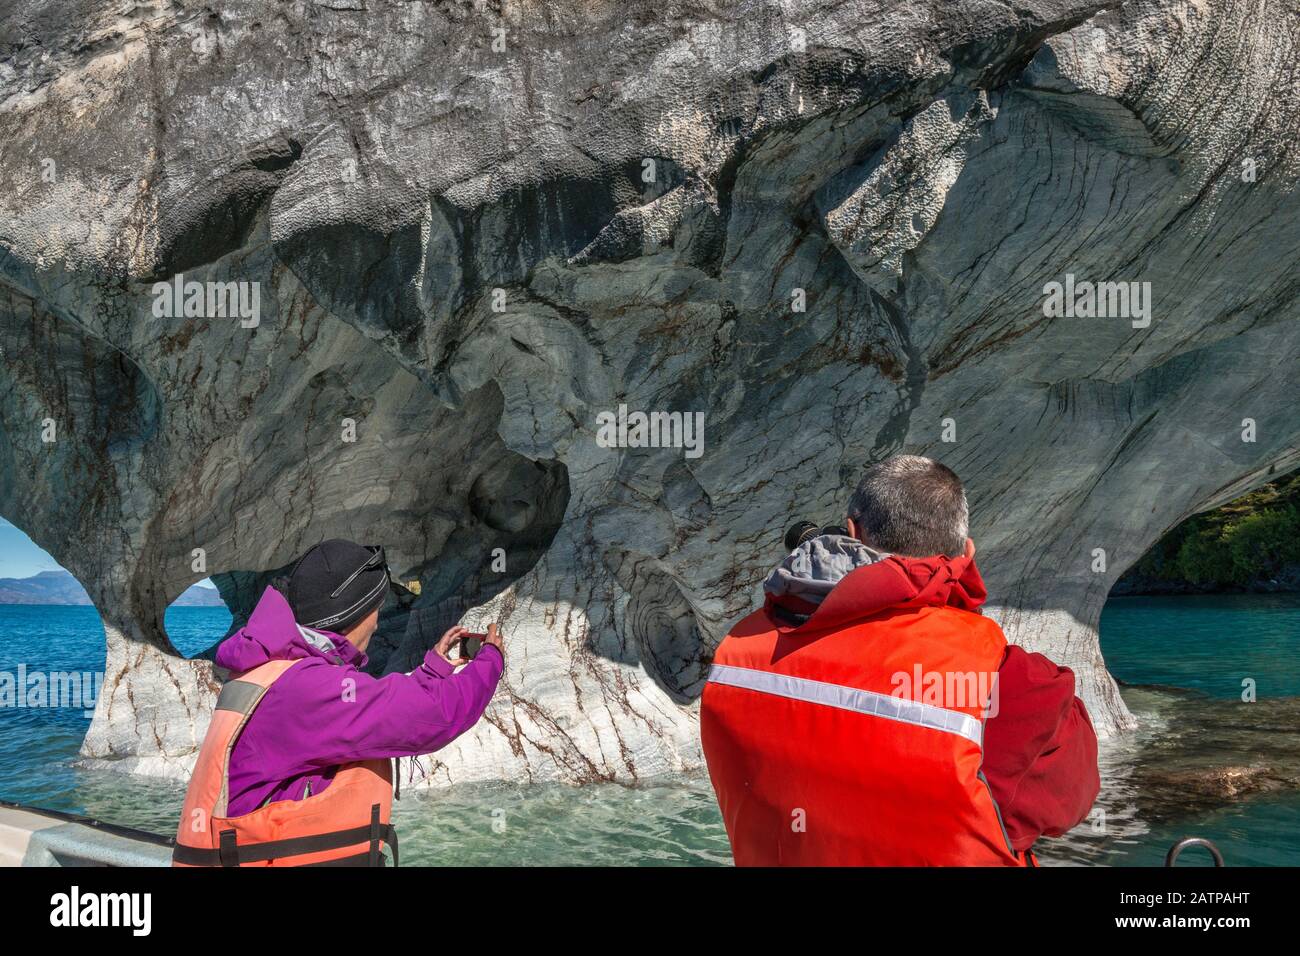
<point x="1199" y="649"/>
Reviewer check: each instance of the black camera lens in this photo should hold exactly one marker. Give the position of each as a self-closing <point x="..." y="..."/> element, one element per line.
<point x="800" y="532"/>
<point x="470" y="646"/>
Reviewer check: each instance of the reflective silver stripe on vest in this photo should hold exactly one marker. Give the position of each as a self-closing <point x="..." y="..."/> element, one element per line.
<point x="239" y="696"/>
<point x="851" y="698"/>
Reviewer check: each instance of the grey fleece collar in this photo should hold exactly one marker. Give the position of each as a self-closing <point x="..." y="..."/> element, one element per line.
<point x="811" y="570"/>
<point x="317" y="640"/>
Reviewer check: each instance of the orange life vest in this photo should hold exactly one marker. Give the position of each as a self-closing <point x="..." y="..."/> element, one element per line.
<point x="821" y="753"/>
<point x="346" y="824"/>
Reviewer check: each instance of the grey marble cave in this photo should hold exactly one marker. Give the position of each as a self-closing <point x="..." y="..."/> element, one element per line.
<point x="470" y="254"/>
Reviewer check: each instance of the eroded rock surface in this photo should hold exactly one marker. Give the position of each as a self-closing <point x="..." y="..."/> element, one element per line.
<point x="470" y="254"/>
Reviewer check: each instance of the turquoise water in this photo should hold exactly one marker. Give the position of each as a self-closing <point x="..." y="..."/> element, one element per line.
<point x="1260" y="832"/>
<point x="1206" y="643"/>
<point x="1203" y="645"/>
<point x="38" y="744"/>
<point x="1218" y="687"/>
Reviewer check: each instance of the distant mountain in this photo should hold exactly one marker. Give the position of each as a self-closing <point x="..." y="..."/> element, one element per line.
<point x="60" y="587"/>
<point x="197" y="595"/>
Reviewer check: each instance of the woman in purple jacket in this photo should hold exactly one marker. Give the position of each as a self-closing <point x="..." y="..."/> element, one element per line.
<point x="325" y="711"/>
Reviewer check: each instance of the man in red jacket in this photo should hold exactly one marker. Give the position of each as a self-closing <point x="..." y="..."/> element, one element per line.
<point x="868" y="714"/>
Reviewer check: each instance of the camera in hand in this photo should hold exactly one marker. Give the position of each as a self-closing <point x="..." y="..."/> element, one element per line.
<point x="470" y="645"/>
<point x="802" y="531"/>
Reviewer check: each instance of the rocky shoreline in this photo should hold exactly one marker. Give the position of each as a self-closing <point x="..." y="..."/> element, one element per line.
<point x="1286" y="582"/>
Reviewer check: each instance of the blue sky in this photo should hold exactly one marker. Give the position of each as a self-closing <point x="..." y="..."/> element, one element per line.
<point x="21" y="558"/>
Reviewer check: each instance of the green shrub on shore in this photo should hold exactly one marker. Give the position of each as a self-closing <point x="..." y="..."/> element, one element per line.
<point x="1253" y="538"/>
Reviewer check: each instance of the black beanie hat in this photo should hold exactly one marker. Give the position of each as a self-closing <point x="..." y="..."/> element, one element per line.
<point x="322" y="571"/>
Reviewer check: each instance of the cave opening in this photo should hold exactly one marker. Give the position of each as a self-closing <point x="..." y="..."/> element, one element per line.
<point x="51" y="666"/>
<point x="195" y="616"/>
<point x="1216" y="601"/>
<point x="1202" y="634"/>
<point x="52" y="619"/>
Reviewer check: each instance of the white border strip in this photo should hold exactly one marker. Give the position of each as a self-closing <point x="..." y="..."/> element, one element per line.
<point x="851" y="698"/>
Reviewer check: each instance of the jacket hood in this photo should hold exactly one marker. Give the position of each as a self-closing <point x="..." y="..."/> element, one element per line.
<point x="811" y="571"/>
<point x="863" y="583"/>
<point x="272" y="634"/>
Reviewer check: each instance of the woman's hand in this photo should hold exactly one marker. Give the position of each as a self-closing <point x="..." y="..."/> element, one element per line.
<point x="443" y="647"/>
<point x="494" y="639"/>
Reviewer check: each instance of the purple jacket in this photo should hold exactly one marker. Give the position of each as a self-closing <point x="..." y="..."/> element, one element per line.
<point x="326" y="712"/>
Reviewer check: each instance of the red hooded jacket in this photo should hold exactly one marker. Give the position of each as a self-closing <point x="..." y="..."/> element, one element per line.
<point x="1040" y="751"/>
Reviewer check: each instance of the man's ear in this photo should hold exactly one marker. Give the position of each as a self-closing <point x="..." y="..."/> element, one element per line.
<point x="852" y="528"/>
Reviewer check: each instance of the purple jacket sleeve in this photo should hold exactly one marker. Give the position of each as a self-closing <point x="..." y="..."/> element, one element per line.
<point x="353" y="716"/>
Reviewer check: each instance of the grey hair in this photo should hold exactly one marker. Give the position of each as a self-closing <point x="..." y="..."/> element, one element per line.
<point x="911" y="506"/>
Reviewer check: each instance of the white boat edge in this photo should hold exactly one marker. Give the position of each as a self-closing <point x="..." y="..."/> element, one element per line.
<point x="33" y="837"/>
